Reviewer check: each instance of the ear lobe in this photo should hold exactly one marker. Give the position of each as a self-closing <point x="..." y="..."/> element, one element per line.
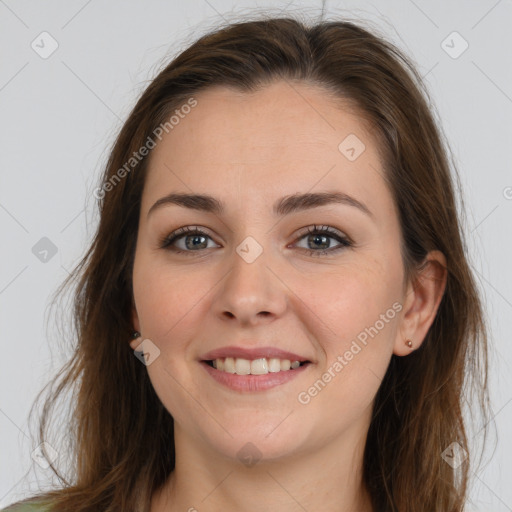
<point x="424" y="296"/>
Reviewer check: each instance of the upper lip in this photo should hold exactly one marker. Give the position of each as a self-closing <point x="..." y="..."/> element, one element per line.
<point x="251" y="353"/>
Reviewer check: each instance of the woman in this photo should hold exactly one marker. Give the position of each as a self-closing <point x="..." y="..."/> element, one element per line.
<point x="277" y="311"/>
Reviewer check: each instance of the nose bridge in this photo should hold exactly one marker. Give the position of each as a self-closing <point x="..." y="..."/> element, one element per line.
<point x="250" y="288"/>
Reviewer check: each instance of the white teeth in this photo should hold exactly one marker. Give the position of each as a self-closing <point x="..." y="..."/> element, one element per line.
<point x="274" y="365"/>
<point x="229" y="365"/>
<point x="260" y="366"/>
<point x="285" y="365"/>
<point x="242" y="366"/>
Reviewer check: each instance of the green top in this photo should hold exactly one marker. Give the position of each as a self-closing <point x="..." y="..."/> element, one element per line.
<point x="26" y="507"/>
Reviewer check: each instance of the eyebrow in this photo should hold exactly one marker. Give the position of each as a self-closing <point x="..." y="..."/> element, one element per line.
<point x="284" y="206"/>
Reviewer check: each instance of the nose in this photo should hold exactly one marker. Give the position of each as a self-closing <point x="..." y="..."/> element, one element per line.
<point x="251" y="293"/>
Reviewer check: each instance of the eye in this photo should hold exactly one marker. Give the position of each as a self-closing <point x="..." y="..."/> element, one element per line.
<point x="195" y="238"/>
<point x="319" y="237"/>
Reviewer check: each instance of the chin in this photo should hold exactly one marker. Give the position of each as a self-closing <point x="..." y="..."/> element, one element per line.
<point x="259" y="442"/>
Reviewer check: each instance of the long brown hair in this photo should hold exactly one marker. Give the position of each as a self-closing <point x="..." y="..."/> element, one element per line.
<point x="123" y="448"/>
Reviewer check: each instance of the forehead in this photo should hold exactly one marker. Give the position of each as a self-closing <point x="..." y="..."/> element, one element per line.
<point x="273" y="122"/>
<point x="282" y="139"/>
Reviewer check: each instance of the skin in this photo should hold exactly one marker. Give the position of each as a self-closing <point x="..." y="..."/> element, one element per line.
<point x="248" y="150"/>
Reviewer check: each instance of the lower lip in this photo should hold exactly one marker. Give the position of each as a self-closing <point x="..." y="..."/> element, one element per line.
<point x="253" y="382"/>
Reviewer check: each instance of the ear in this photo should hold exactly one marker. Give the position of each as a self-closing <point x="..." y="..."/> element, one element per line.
<point x="134" y="343"/>
<point x="421" y="302"/>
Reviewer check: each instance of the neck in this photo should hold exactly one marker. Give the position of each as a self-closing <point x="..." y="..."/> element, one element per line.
<point x="328" y="478"/>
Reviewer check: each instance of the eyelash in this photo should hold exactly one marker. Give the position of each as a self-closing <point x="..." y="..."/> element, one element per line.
<point x="166" y="242"/>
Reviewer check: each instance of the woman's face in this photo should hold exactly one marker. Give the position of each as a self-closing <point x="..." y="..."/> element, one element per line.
<point x="257" y="280"/>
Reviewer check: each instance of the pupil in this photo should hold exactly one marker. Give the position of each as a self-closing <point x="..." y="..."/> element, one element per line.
<point x="317" y="238"/>
<point x="195" y="238"/>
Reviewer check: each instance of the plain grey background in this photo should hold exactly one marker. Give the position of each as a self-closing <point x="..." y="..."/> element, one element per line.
<point x="71" y="71"/>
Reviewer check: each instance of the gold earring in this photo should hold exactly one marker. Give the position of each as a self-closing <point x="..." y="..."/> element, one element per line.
<point x="409" y="343"/>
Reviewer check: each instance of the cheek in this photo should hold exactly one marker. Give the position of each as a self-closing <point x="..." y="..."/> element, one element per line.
<point x="166" y="294"/>
<point x="357" y="311"/>
<point x="168" y="299"/>
<point x="342" y="304"/>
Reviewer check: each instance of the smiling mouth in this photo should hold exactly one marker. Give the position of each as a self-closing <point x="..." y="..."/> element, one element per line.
<point x="260" y="366"/>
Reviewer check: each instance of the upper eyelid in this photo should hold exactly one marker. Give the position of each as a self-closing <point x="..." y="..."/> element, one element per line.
<point x="329" y="231"/>
<point x="185" y="230"/>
